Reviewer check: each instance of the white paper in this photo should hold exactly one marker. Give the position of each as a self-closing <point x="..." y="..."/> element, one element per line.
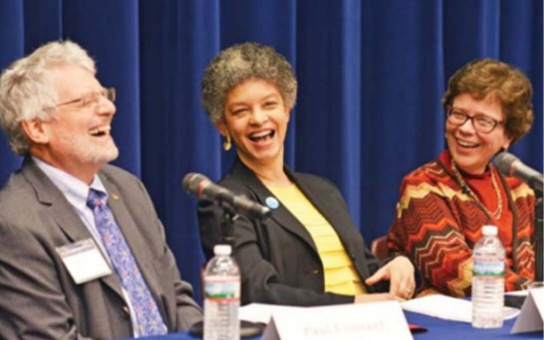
<point x="448" y="308"/>
<point x="259" y="312"/>
<point x="517" y="293"/>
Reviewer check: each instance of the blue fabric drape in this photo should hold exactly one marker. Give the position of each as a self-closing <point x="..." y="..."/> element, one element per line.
<point x="371" y="76"/>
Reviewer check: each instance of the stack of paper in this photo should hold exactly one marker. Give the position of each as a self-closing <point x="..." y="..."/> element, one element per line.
<point x="448" y="308"/>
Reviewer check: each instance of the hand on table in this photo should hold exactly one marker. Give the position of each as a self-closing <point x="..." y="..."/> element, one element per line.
<point x="400" y="273"/>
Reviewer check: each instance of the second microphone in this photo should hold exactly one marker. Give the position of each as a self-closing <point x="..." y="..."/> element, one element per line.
<point x="203" y="188"/>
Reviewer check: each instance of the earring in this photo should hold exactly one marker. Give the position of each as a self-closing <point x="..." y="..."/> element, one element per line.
<point x="227" y="144"/>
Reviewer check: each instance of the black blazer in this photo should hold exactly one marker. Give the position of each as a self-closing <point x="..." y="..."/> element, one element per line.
<point x="278" y="258"/>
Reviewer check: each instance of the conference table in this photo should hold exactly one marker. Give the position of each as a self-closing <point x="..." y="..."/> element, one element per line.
<point x="443" y="329"/>
<point x="436" y="329"/>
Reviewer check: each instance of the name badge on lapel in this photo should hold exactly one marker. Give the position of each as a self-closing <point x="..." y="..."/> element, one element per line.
<point x="84" y="261"/>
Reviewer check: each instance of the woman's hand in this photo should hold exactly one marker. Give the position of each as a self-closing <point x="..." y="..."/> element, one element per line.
<point x="376" y="297"/>
<point x="400" y="273"/>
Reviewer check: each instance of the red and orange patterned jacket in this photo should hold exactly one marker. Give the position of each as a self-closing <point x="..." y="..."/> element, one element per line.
<point x="437" y="225"/>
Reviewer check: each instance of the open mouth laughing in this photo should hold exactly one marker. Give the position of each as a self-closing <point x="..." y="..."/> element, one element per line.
<point x="262" y="136"/>
<point x="100" y="131"/>
<point x="467" y="145"/>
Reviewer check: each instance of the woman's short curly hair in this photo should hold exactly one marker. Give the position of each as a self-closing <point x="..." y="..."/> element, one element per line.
<point x="240" y="62"/>
<point x="483" y="77"/>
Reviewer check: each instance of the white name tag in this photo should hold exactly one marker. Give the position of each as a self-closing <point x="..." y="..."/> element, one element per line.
<point x="532" y="313"/>
<point x="376" y="320"/>
<point x="84" y="261"/>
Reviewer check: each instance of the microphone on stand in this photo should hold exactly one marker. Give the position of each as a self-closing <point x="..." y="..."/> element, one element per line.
<point x="510" y="165"/>
<point x="200" y="186"/>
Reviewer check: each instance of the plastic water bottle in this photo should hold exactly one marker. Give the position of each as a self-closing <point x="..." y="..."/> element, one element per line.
<point x="488" y="280"/>
<point x="221" y="296"/>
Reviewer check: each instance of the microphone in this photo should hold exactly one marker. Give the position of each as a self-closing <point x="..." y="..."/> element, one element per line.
<point x="200" y="186"/>
<point x="510" y="165"/>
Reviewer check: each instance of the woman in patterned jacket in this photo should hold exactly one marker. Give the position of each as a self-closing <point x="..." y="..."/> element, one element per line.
<point x="444" y="204"/>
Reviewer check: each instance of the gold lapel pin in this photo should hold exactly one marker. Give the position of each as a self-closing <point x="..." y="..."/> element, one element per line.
<point x="114" y="196"/>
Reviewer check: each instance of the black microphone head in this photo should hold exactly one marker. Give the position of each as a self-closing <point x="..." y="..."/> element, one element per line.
<point x="266" y="213"/>
<point x="503" y="161"/>
<point x="191" y="182"/>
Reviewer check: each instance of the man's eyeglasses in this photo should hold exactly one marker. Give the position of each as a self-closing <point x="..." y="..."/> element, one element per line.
<point x="92" y="99"/>
<point x="481" y="123"/>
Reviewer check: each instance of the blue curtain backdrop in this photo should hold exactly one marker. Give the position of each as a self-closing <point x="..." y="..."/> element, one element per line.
<point x="371" y="77"/>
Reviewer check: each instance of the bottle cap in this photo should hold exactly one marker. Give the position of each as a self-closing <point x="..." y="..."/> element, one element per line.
<point x="222" y="249"/>
<point x="489" y="230"/>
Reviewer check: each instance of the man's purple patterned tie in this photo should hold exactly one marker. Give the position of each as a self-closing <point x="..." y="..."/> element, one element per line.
<point x="147" y="314"/>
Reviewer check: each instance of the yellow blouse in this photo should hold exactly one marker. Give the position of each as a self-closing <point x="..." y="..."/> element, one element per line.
<point x="340" y="275"/>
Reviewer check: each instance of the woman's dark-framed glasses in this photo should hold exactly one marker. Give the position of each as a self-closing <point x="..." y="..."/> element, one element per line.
<point x="92" y="99"/>
<point x="481" y="123"/>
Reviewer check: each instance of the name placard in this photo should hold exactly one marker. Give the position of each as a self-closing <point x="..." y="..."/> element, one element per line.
<point x="375" y="320"/>
<point x="532" y="313"/>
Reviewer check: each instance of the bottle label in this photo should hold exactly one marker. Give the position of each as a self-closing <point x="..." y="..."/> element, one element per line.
<point x="224" y="289"/>
<point x="489" y="267"/>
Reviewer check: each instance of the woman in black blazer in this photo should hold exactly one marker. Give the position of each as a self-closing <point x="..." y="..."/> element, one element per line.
<point x="248" y="91"/>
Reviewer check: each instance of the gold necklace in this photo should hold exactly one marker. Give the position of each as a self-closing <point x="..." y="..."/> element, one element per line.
<point x="497" y="213"/>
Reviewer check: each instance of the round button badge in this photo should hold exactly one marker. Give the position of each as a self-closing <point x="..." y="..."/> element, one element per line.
<point x="272" y="203"/>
